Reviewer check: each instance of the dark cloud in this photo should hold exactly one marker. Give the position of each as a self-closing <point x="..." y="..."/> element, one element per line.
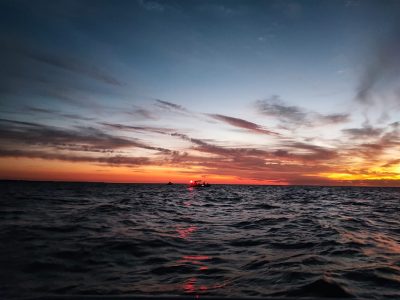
<point x="333" y="118"/>
<point x="203" y="146"/>
<point x="76" y="117"/>
<point x="395" y="125"/>
<point x="24" y="76"/>
<point x="138" y="128"/>
<point x="15" y="122"/>
<point x="170" y="106"/>
<point x="370" y="151"/>
<point x="380" y="143"/>
<point x="294" y="115"/>
<point x="22" y="55"/>
<point x="310" y="152"/>
<point x="108" y="160"/>
<point x="274" y="107"/>
<point x="392" y="162"/>
<point x="83" y="139"/>
<point x="57" y="114"/>
<point x="76" y="66"/>
<point x="240" y="123"/>
<point x="293" y="151"/>
<point x="142" y="113"/>
<point x="62" y="91"/>
<point x="40" y="110"/>
<point x="364" y="132"/>
<point x="280" y="165"/>
<point x="382" y="68"/>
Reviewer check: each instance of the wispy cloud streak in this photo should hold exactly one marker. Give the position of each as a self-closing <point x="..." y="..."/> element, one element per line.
<point x="82" y="139"/>
<point x="240" y="123"/>
<point x="384" y="66"/>
<point x="159" y="130"/>
<point x="364" y="132"/>
<point x="296" y="116"/>
<point x="117" y="160"/>
<point x="16" y="51"/>
<point x="57" y="113"/>
<point x="170" y="106"/>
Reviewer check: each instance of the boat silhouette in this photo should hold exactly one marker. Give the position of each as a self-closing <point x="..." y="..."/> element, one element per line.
<point x="198" y="183"/>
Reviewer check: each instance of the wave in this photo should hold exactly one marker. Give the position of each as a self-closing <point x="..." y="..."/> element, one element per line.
<point x="229" y="241"/>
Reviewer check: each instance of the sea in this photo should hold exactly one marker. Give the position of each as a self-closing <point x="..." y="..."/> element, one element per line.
<point x="69" y="239"/>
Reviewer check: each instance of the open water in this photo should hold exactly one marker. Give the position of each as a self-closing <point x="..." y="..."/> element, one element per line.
<point x="225" y="240"/>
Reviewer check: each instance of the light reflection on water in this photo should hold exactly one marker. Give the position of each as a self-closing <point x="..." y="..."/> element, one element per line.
<point x="375" y="243"/>
<point x="222" y="241"/>
<point x="191" y="285"/>
<point x="184" y="233"/>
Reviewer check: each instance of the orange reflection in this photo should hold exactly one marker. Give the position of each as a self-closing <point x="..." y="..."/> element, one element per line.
<point x="194" y="258"/>
<point x="381" y="243"/>
<point x="200" y="262"/>
<point x="192" y="285"/>
<point x="189" y="285"/>
<point x="184" y="233"/>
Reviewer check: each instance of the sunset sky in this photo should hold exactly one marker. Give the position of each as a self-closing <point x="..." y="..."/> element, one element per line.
<point x="260" y="92"/>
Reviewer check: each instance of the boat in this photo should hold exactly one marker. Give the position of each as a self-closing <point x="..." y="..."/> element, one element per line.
<point x="198" y="183"/>
<point x="169" y="183"/>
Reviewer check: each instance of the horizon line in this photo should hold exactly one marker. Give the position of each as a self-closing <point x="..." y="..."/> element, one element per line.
<point x="181" y="183"/>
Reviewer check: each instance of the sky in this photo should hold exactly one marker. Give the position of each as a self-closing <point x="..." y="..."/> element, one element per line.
<point x="240" y="92"/>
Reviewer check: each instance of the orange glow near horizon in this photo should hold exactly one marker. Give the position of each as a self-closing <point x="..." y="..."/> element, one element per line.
<point x="373" y="173"/>
<point x="55" y="170"/>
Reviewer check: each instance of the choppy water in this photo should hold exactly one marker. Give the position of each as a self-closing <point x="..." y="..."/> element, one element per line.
<point x="124" y="239"/>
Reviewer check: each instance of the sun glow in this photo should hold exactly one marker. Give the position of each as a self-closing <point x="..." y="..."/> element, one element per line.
<point x="373" y="173"/>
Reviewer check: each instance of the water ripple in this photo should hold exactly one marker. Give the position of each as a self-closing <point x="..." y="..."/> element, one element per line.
<point x="124" y="239"/>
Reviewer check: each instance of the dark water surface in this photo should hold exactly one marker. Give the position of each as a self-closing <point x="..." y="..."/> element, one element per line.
<point x="127" y="239"/>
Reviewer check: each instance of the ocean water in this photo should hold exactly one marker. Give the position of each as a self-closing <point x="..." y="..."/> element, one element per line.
<point x="225" y="240"/>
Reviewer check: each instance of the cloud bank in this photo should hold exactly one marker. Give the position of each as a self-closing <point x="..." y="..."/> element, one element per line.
<point x="296" y="116"/>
